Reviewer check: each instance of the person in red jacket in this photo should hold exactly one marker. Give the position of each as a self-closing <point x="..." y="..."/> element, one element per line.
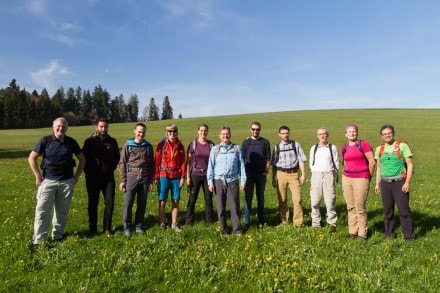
<point x="170" y="173"/>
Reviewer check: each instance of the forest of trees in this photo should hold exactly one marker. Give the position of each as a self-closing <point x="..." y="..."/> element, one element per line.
<point x="21" y="109"/>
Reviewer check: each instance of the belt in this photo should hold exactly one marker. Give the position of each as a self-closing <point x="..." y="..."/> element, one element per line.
<point x="287" y="170"/>
<point x="198" y="170"/>
<point x="392" y="179"/>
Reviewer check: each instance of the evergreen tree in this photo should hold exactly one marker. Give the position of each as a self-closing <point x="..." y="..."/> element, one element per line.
<point x="133" y="108"/>
<point x="167" y="110"/>
<point x="87" y="108"/>
<point x="72" y="104"/>
<point x="101" y="99"/>
<point x="58" y="101"/>
<point x="115" y="113"/>
<point x="153" y="111"/>
<point x="44" y="109"/>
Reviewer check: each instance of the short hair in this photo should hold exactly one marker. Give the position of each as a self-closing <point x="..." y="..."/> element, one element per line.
<point x="387" y="126"/>
<point x="102" y="119"/>
<point x="140" y="124"/>
<point x="256" y="123"/>
<point x="225" y="127"/>
<point x="62" y="120"/>
<point x="351" y="126"/>
<point x="203" y="125"/>
<point x="284" y="127"/>
<point x="323" y="128"/>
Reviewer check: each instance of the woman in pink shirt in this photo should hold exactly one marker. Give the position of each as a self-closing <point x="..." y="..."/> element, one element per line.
<point x="359" y="166"/>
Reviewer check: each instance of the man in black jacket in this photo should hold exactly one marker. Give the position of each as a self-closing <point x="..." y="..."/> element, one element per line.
<point x="102" y="157"/>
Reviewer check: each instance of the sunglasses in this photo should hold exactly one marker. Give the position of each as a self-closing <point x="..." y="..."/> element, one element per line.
<point x="172" y="131"/>
<point x="255" y="129"/>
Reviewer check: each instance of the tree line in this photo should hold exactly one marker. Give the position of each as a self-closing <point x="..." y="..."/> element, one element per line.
<point x="20" y="109"/>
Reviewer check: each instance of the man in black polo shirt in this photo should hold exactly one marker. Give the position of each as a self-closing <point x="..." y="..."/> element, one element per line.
<point x="56" y="184"/>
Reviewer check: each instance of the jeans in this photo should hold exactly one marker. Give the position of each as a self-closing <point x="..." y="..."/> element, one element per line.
<point x="96" y="185"/>
<point x="259" y="181"/>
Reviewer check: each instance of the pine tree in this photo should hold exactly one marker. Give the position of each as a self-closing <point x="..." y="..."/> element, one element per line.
<point x="167" y="110"/>
<point x="153" y="111"/>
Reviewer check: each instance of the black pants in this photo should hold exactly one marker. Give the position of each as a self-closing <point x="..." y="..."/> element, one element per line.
<point x="392" y="195"/>
<point x="197" y="183"/>
<point x="95" y="185"/>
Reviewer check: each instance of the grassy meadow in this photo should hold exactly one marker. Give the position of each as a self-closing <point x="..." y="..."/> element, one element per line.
<point x="272" y="259"/>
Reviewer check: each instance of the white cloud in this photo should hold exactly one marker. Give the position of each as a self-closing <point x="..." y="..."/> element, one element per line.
<point x="49" y="74"/>
<point x="37" y="6"/>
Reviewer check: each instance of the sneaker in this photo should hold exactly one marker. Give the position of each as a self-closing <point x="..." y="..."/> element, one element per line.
<point x="332" y="228"/>
<point x="352" y="236"/>
<point x="163" y="226"/>
<point x="34" y="247"/>
<point x="127" y="233"/>
<point x="238" y="233"/>
<point x="225" y="232"/>
<point x="139" y="230"/>
<point x="108" y="233"/>
<point x="176" y="228"/>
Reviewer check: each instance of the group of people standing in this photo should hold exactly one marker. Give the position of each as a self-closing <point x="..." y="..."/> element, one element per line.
<point x="222" y="169"/>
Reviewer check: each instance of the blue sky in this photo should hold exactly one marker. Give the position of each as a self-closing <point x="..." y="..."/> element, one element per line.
<point x="228" y="57"/>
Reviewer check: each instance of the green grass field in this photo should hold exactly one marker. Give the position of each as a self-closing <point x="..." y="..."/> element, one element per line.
<point x="273" y="259"/>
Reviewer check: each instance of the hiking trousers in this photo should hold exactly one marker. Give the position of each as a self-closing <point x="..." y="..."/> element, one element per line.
<point x="95" y="185"/>
<point x="355" y="191"/>
<point x="55" y="194"/>
<point x="289" y="180"/>
<point x="392" y="194"/>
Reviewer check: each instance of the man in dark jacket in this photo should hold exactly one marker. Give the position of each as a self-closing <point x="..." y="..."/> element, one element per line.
<point x="102" y="157"/>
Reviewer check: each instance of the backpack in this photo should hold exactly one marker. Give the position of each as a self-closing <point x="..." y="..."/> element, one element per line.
<point x="277" y="151"/>
<point x="130" y="147"/>
<point x="217" y="150"/>
<point x="397" y="152"/>
<point x="47" y="141"/>
<point x="359" y="146"/>
<point x="247" y="143"/>
<point x="194" y="145"/>
<point x="331" y="154"/>
<point x="164" y="142"/>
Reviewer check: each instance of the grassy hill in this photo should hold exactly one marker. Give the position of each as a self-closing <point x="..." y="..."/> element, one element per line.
<point x="199" y="259"/>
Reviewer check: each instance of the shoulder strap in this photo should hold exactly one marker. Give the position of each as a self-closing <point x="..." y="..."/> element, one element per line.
<point x="397" y="149"/>
<point x="46" y="142"/>
<point x="314" y="154"/>
<point x="330" y="146"/>
<point x="381" y="150"/>
<point x="294" y="147"/>
<point x="245" y="150"/>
